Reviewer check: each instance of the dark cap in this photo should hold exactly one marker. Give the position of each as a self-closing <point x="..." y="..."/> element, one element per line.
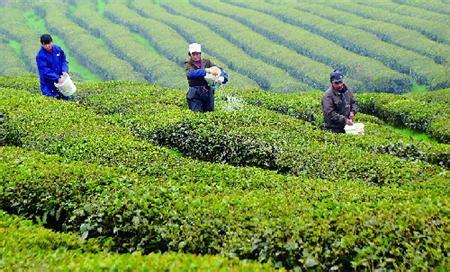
<point x="46" y="39"/>
<point x="336" y="76"/>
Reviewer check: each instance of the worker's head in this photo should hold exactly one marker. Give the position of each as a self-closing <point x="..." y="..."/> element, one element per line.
<point x="195" y="51"/>
<point x="336" y="79"/>
<point x="47" y="42"/>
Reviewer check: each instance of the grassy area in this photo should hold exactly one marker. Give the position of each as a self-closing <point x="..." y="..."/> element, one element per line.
<point x="420" y="136"/>
<point x="144" y="42"/>
<point x="416" y="88"/>
<point x="75" y="67"/>
<point x="101" y="6"/>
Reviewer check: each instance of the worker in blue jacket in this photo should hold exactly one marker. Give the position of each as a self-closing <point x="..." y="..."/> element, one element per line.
<point x="200" y="96"/>
<point x="52" y="65"/>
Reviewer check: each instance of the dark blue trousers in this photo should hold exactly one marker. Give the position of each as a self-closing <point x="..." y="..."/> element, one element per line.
<point x="200" y="99"/>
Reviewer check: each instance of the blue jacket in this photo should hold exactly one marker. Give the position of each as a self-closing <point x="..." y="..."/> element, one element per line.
<point x="50" y="68"/>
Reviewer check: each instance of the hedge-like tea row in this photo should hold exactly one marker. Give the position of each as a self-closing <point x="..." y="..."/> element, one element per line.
<point x="248" y="136"/>
<point x="13" y="26"/>
<point x="90" y="51"/>
<point x="135" y="108"/>
<point x="408" y="10"/>
<point x="421" y="68"/>
<point x="386" y="11"/>
<point x="385" y="31"/>
<point x="378" y="138"/>
<point x="38" y="27"/>
<point x="149" y="109"/>
<point x="314" y="73"/>
<point x="30" y="247"/>
<point x="292" y="223"/>
<point x="256" y="139"/>
<point x="155" y="67"/>
<point x="267" y="76"/>
<point x="166" y="40"/>
<point x="64" y="128"/>
<point x="424" y="114"/>
<point x="11" y="64"/>
<point x="441" y="96"/>
<point x="375" y="75"/>
<point x="29" y="82"/>
<point x="432" y="5"/>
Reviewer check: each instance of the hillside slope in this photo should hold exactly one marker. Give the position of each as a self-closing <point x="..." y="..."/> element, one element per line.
<point x="279" y="45"/>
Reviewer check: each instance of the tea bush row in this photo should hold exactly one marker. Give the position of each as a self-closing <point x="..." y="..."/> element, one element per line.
<point x="420" y="68"/>
<point x="267" y="76"/>
<point x="295" y="223"/>
<point x="26" y="246"/>
<point x="156" y="68"/>
<point x="373" y="75"/>
<point x="167" y="41"/>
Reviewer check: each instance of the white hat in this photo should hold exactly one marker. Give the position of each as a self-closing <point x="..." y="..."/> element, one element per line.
<point x="195" y="47"/>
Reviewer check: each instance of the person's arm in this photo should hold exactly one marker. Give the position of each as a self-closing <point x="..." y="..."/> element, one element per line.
<point x="353" y="107"/>
<point x="45" y="70"/>
<point x="192" y="73"/>
<point x="328" y="110"/>
<point x="225" y="77"/>
<point x="209" y="63"/>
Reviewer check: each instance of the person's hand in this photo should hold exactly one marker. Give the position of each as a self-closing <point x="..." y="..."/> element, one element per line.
<point x="352" y="116"/>
<point x="349" y="122"/>
<point x="220" y="80"/>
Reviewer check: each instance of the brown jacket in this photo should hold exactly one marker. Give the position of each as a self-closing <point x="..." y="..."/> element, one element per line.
<point x="189" y="66"/>
<point x="336" y="107"/>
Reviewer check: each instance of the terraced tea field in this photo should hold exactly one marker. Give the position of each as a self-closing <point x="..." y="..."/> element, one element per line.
<point x="127" y="167"/>
<point x="279" y="45"/>
<point x="125" y="177"/>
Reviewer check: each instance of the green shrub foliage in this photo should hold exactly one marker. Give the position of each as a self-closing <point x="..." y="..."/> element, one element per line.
<point x="381" y="46"/>
<point x="292" y="223"/>
<point x="374" y="75"/>
<point x="91" y="52"/>
<point x="408" y="39"/>
<point x="378" y="138"/>
<point x="424" y="112"/>
<point x="155" y="67"/>
<point x="106" y="183"/>
<point x="26" y="246"/>
<point x="420" y="68"/>
<point x="167" y="41"/>
<point x="267" y="76"/>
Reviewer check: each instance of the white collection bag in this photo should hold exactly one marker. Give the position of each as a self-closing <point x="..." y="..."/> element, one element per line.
<point x="214" y="73"/>
<point x="67" y="88"/>
<point x="214" y="78"/>
<point x="356" y="128"/>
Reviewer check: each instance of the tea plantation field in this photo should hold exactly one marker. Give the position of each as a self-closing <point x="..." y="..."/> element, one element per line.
<point x="281" y="45"/>
<point x="124" y="176"/>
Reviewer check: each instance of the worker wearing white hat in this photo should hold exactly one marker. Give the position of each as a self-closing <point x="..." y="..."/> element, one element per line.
<point x="200" y="96"/>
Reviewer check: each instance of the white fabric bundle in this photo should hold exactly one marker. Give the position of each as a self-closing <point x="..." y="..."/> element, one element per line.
<point x="67" y="88"/>
<point x="356" y="128"/>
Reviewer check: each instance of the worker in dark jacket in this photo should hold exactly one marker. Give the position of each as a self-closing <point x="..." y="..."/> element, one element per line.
<point x="200" y="96"/>
<point x="52" y="65"/>
<point x="338" y="104"/>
